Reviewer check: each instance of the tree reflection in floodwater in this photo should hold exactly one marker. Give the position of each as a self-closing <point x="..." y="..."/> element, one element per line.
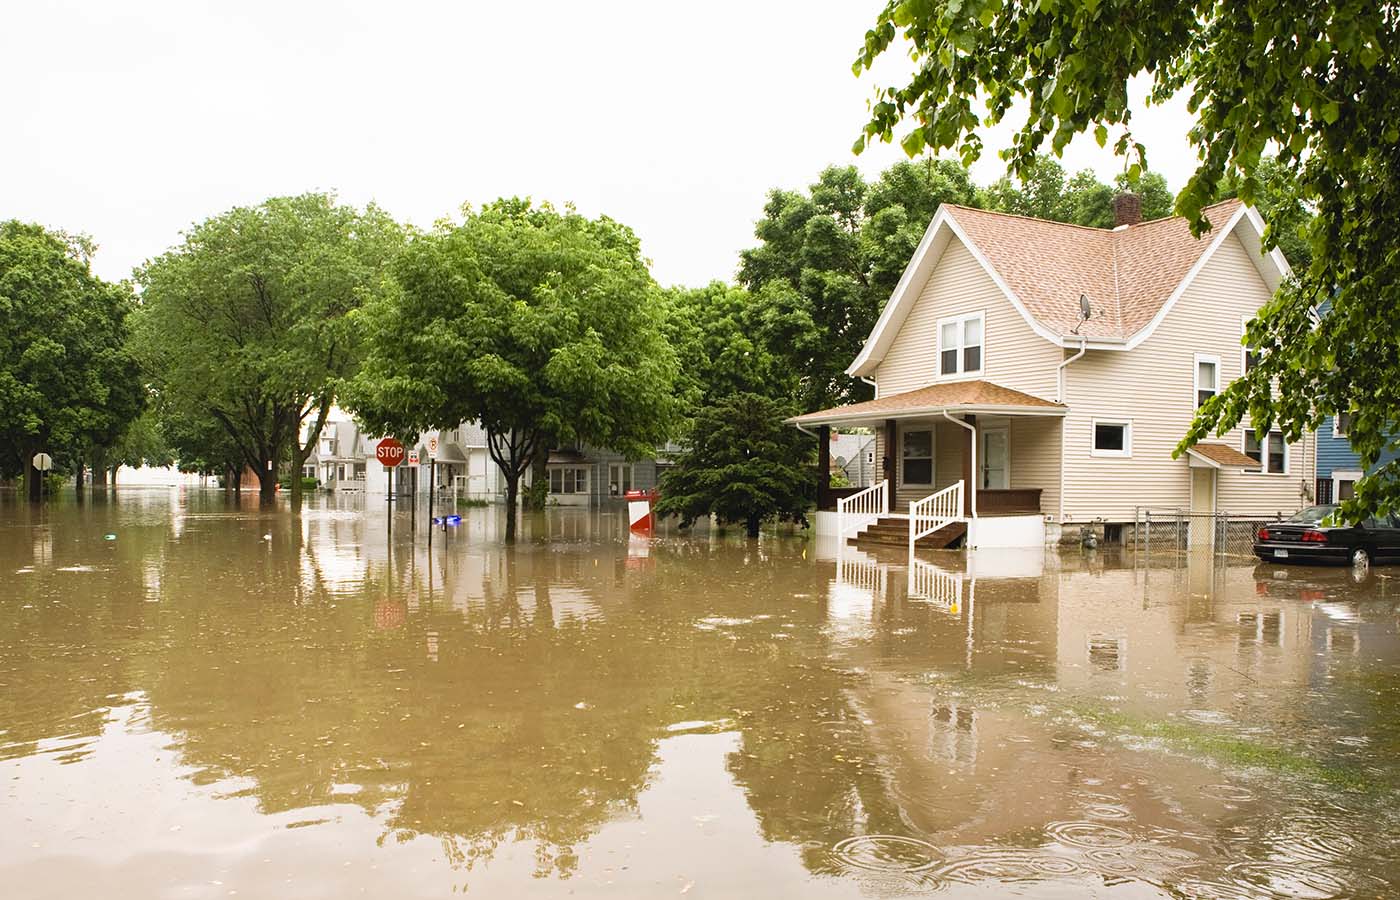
<point x="597" y="713"/>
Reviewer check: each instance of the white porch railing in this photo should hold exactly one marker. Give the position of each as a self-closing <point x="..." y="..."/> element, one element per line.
<point x="934" y="512"/>
<point x="939" y="587"/>
<point x="856" y="511"/>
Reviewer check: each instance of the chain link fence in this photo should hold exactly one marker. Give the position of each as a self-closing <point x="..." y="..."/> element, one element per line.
<point x="1182" y="531"/>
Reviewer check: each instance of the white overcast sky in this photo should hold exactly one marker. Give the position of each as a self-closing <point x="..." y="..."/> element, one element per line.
<point x="131" y="120"/>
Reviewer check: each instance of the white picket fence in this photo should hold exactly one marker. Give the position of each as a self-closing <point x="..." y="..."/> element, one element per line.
<point x="860" y="509"/>
<point x="934" y="512"/>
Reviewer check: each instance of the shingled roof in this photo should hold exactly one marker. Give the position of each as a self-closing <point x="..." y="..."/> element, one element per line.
<point x="1129" y="274"/>
<point x="974" y="396"/>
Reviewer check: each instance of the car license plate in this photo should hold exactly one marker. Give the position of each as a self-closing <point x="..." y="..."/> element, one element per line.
<point x="1280" y="554"/>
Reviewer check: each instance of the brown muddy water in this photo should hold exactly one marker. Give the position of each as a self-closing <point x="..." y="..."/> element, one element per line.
<point x="228" y="702"/>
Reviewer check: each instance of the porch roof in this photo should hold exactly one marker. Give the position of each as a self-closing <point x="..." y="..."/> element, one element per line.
<point x="1216" y="456"/>
<point x="976" y="397"/>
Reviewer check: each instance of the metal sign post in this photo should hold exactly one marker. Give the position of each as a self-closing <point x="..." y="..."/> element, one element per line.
<point x="412" y="463"/>
<point x="431" y="440"/>
<point x="390" y="453"/>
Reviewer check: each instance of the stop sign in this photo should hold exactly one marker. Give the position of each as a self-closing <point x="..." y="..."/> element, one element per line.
<point x="389" y="452"/>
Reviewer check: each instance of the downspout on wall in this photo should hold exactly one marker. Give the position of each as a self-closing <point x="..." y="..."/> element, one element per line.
<point x="1061" y="378"/>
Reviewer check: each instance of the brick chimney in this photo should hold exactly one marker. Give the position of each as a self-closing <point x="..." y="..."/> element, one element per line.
<point x="1127" y="209"/>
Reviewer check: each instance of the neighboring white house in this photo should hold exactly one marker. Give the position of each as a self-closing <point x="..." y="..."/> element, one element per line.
<point x="1050" y="370"/>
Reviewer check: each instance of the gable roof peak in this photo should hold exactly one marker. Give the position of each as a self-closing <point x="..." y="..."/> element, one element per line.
<point x="1132" y="275"/>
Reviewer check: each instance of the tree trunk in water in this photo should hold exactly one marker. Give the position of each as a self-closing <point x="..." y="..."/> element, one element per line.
<point x="752" y="525"/>
<point x="99" y="469"/>
<point x="237" y="480"/>
<point x="267" y="484"/>
<point x="78" y="477"/>
<point x="114" y="475"/>
<point x="296" y="488"/>
<point x="539" y="474"/>
<point x="512" y="493"/>
<point x="33" y="478"/>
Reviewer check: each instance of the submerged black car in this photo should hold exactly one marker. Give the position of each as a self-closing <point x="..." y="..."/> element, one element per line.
<point x="1311" y="537"/>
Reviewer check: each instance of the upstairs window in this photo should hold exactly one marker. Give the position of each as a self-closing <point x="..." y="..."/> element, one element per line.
<point x="1341" y="426"/>
<point x="1207" y="377"/>
<point x="1271" y="454"/>
<point x="1250" y="355"/>
<point x="960" y="345"/>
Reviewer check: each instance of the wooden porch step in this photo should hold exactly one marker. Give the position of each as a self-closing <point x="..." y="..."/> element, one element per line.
<point x="895" y="533"/>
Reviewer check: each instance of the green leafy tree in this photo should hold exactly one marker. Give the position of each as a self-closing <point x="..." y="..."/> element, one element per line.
<point x="741" y="465"/>
<point x="248" y="322"/>
<point x="1280" y="201"/>
<point x="67" y="381"/>
<point x="143" y="443"/>
<point x="1314" y="83"/>
<point x="829" y="259"/>
<point x="1043" y="192"/>
<point x="713" y="334"/>
<point x="544" y="326"/>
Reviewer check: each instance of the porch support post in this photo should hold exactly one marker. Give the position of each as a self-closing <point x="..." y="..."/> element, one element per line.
<point x="891" y="460"/>
<point x="824" y="468"/>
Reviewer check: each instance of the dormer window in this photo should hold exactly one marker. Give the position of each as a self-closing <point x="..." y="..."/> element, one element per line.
<point x="960" y="345"/>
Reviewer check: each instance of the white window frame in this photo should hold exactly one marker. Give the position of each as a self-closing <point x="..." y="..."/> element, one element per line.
<point x="574" y="470"/>
<point x="1340" y="475"/>
<point x="618" y="469"/>
<point x="1196" y="377"/>
<point x="1127" y="450"/>
<point x="981" y="317"/>
<point x="1264" y="452"/>
<point x="932" y="456"/>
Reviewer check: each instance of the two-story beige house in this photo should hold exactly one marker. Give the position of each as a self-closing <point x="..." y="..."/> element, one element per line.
<point x="1050" y="369"/>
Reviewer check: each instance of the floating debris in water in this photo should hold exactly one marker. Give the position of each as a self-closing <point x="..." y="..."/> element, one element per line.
<point x="109" y="537"/>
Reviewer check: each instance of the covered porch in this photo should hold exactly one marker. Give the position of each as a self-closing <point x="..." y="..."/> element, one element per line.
<point x="992" y="451"/>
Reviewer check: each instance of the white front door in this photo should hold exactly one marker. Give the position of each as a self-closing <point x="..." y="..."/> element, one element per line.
<point x="994" y="459"/>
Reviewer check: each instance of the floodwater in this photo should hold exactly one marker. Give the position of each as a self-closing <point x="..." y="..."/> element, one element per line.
<point x="221" y="701"/>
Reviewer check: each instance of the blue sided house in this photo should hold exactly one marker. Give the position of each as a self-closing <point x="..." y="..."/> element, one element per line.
<point x="1338" y="466"/>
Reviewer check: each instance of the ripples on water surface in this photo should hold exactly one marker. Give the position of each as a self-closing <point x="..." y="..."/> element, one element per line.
<point x="230" y="702"/>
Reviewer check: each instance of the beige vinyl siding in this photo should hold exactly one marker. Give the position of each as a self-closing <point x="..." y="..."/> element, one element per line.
<point x="1154" y="386"/>
<point x="1013" y="355"/>
<point x="1035" y="459"/>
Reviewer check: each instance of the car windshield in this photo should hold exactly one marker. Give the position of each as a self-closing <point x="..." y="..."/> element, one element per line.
<point x="1312" y="515"/>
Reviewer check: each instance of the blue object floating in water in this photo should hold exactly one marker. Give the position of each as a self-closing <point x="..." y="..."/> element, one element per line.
<point x="447" y="520"/>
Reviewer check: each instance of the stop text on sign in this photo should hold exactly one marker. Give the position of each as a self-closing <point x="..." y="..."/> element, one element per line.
<point x="389" y="452"/>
